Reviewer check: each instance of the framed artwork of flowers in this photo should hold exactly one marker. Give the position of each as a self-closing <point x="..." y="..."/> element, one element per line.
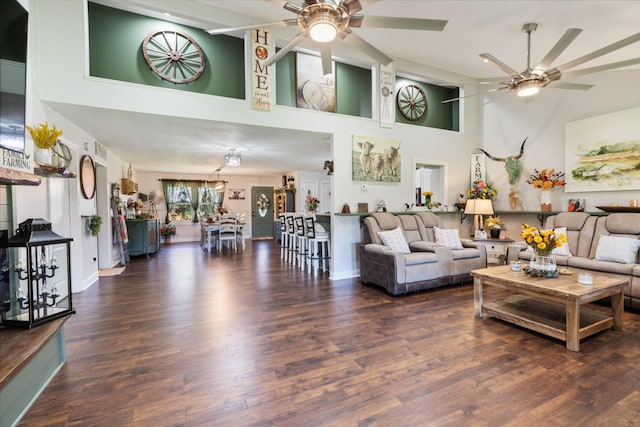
<point x="602" y="152"/>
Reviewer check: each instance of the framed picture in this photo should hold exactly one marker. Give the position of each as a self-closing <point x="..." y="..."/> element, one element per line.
<point x="576" y="205"/>
<point x="375" y="159"/>
<point x="363" y="207"/>
<point x="314" y="90"/>
<point x="237" y="194"/>
<point x="602" y="152"/>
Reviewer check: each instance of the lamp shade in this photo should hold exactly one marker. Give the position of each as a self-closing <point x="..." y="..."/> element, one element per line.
<point x="479" y="207"/>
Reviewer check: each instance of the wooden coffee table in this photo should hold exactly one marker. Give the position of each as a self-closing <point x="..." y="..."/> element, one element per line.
<point x="552" y="306"/>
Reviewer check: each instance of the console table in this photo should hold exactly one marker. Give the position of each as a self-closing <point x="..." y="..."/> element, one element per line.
<point x="144" y="236"/>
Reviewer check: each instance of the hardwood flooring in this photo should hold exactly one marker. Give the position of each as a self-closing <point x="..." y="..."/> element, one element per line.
<point x="188" y="338"/>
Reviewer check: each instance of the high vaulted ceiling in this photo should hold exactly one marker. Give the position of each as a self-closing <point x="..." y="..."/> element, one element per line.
<point x="474" y="27"/>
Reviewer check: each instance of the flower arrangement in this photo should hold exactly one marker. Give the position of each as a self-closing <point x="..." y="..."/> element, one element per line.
<point x="43" y="136"/>
<point x="434" y="205"/>
<point x="427" y="193"/>
<point x="482" y="190"/>
<point x="546" y="179"/>
<point x="134" y="204"/>
<point x="168" y="230"/>
<point x="493" y="223"/>
<point x="312" y="202"/>
<point x="542" y="241"/>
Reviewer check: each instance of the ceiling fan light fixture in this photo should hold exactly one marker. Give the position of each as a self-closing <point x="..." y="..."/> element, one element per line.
<point x="528" y="89"/>
<point x="323" y="28"/>
<point x="232" y="159"/>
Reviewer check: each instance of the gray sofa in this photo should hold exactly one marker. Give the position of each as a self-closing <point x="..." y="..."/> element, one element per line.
<point x="428" y="265"/>
<point x="584" y="232"/>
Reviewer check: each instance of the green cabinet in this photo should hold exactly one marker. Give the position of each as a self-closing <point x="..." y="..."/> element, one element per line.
<point x="144" y="236"/>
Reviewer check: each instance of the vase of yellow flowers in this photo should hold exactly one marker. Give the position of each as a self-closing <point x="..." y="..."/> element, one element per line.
<point x="546" y="180"/>
<point x="543" y="242"/>
<point x="44" y="137"/>
<point x="427" y="197"/>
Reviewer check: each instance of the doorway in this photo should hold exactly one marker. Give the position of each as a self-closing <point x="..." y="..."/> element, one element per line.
<point x="262" y="201"/>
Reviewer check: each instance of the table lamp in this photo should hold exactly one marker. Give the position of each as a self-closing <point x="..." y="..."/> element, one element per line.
<point x="478" y="207"/>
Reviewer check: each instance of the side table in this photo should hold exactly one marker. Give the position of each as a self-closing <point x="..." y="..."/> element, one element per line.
<point x="496" y="249"/>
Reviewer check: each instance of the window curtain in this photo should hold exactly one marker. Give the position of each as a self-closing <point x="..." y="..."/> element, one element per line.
<point x="170" y="189"/>
<point x="194" y="187"/>
<point x="219" y="187"/>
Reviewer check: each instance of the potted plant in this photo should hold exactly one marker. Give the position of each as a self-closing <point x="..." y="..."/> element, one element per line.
<point x="95" y="222"/>
<point x="44" y="137"/>
<point x="167" y="230"/>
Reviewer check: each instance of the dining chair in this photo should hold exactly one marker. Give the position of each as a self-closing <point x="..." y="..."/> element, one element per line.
<point x="291" y="238"/>
<point x="284" y="236"/>
<point x="227" y="232"/>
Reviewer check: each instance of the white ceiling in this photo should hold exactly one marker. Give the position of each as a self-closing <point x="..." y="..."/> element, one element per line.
<point x="474" y="27"/>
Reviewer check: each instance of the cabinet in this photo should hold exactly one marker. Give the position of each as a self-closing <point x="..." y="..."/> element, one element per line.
<point x="285" y="201"/>
<point x="144" y="236"/>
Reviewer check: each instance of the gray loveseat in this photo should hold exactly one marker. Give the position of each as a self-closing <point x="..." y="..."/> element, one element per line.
<point x="428" y="265"/>
<point x="584" y="232"/>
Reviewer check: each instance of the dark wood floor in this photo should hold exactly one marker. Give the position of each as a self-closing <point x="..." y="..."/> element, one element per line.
<point x="188" y="338"/>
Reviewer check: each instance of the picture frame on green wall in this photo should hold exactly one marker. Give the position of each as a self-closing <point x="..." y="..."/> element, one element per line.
<point x="314" y="91"/>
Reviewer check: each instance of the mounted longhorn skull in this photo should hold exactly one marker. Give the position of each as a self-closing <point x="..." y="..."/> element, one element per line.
<point x="512" y="163"/>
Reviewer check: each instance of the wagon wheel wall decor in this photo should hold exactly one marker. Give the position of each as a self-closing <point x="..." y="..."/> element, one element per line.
<point x="412" y="102"/>
<point x="173" y="55"/>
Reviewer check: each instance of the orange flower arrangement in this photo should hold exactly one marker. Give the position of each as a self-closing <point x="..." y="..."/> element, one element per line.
<point x="546" y="179"/>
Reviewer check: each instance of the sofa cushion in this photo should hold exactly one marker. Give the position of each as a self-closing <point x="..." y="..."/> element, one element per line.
<point x="395" y="240"/>
<point x="416" y="258"/>
<point x="466" y="253"/>
<point x="617" y="249"/>
<point x="449" y="238"/>
<point x="603" y="266"/>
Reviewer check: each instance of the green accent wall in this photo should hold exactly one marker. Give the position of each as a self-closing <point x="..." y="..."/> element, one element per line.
<point x="115" y="52"/>
<point x="438" y="115"/>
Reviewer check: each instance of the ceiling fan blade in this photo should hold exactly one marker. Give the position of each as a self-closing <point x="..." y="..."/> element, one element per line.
<point x="599" y="68"/>
<point x="292" y="7"/>
<point x="285" y="23"/>
<point x="565" y="85"/>
<point x="403" y="23"/>
<point x="559" y="47"/>
<point x="351" y="6"/>
<point x="501" y="65"/>
<point x="325" y="54"/>
<point x="473" y="94"/>
<point x="282" y="52"/>
<point x="603" y="51"/>
<point x="368" y="49"/>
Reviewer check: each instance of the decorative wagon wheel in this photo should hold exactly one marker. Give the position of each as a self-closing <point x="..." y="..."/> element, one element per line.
<point x="412" y="102"/>
<point x="173" y="55"/>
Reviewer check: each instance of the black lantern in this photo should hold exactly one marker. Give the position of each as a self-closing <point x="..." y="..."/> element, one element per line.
<point x="40" y="275"/>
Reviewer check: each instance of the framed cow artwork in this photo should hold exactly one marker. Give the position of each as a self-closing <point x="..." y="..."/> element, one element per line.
<point x="376" y="159"/>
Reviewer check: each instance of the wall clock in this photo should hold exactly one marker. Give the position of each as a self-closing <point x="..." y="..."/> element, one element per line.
<point x="87" y="177"/>
<point x="173" y="56"/>
<point x="412" y="102"/>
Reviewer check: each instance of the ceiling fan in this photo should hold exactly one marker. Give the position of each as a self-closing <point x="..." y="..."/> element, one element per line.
<point x="325" y="20"/>
<point x="531" y="80"/>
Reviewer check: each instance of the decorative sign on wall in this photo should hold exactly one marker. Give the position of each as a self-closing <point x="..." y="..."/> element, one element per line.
<point x="315" y="91"/>
<point x="375" y="159"/>
<point x="261" y="50"/>
<point x="16" y="160"/>
<point x="602" y="153"/>
<point x="387" y="83"/>
<point x="478" y="168"/>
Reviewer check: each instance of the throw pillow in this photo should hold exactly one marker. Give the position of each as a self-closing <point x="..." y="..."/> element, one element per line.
<point x="617" y="249"/>
<point x="564" y="249"/>
<point x="447" y="237"/>
<point x="395" y="240"/>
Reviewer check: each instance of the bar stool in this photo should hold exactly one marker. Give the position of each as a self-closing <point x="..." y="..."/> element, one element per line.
<point x="291" y="238"/>
<point x="284" y="236"/>
<point x="319" y="244"/>
<point x="301" y="240"/>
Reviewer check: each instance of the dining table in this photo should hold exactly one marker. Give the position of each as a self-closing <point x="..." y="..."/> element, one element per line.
<point x="210" y="228"/>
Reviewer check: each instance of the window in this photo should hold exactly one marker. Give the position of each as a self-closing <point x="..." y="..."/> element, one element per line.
<point x="181" y="210"/>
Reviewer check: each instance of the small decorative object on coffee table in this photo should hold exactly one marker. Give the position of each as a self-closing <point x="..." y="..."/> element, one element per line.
<point x="543" y="243"/>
